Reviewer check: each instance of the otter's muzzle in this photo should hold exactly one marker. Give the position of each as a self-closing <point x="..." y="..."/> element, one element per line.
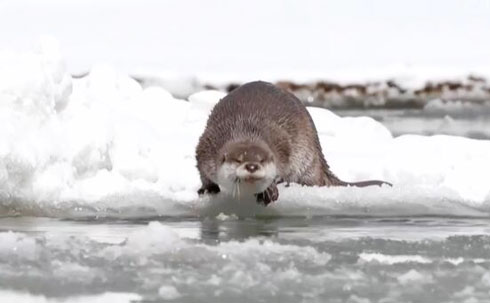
<point x="250" y="172"/>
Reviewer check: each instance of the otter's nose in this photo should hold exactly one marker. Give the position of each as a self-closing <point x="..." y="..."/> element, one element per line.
<point x="251" y="167"/>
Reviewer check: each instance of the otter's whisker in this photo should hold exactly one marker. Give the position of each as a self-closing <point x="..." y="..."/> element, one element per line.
<point x="235" y="189"/>
<point x="238" y="188"/>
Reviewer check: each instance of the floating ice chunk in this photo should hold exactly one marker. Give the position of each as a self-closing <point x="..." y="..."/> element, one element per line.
<point x="249" y="252"/>
<point x="155" y="235"/>
<point x="465" y="292"/>
<point x="17" y="244"/>
<point x="472" y="300"/>
<point x="485" y="279"/>
<point x="455" y="261"/>
<point x="412" y="276"/>
<point x="223" y="217"/>
<point x="168" y="292"/>
<point x="356" y="299"/>
<point x="387" y="259"/>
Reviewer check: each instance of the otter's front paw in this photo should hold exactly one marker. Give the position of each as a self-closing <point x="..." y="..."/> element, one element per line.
<point x="271" y="194"/>
<point x="209" y="189"/>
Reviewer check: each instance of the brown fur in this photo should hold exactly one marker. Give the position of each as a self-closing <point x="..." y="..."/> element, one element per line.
<point x="263" y="113"/>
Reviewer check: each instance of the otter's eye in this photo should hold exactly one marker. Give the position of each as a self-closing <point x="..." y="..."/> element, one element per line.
<point x="237" y="161"/>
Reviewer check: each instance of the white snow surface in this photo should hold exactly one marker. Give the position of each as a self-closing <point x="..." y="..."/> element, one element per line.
<point x="103" y="145"/>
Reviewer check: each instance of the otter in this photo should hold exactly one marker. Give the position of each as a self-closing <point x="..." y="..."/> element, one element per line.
<point x="258" y="136"/>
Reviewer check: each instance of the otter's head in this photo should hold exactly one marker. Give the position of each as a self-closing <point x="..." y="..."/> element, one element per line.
<point x="245" y="168"/>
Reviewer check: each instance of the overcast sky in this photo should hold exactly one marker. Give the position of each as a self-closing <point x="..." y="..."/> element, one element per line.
<point x="218" y="36"/>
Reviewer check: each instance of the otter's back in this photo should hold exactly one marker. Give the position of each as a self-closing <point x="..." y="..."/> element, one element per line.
<point x="261" y="103"/>
<point x="261" y="110"/>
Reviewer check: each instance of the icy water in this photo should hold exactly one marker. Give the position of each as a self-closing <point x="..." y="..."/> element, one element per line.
<point x="226" y="259"/>
<point x="472" y="121"/>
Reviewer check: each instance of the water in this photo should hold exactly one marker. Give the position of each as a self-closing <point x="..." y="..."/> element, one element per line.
<point x="472" y="121"/>
<point x="226" y="259"/>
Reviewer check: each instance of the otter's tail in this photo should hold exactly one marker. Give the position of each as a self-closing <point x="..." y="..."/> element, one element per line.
<point x="367" y="183"/>
<point x="330" y="179"/>
<point x="333" y="180"/>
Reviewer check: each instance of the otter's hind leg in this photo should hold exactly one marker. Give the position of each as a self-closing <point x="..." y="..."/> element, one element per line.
<point x="208" y="187"/>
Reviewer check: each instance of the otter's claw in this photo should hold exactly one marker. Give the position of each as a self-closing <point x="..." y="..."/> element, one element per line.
<point x="271" y="194"/>
<point x="209" y="189"/>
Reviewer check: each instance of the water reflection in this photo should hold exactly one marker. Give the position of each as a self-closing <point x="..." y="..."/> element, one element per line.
<point x="217" y="230"/>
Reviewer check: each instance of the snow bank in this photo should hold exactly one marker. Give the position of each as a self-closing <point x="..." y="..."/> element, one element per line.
<point x="103" y="145"/>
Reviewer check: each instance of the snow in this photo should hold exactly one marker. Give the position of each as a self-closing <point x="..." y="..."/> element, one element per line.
<point x="18" y="297"/>
<point x="104" y="145"/>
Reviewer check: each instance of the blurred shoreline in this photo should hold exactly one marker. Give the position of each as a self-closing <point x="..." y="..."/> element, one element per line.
<point x="380" y="94"/>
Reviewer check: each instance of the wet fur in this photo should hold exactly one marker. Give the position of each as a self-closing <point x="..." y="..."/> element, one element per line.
<point x="261" y="112"/>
